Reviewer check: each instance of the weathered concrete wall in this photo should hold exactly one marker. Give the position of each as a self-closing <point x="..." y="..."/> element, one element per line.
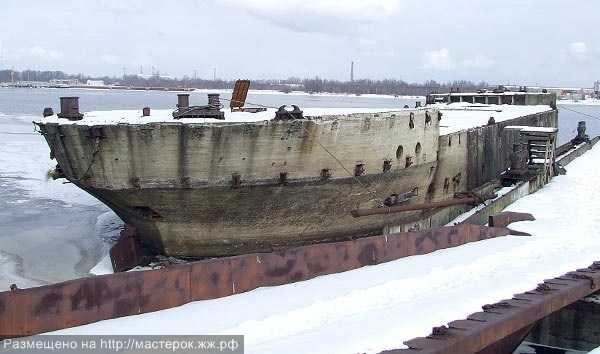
<point x="467" y="161"/>
<point x="258" y="218"/>
<point x="489" y="147"/>
<point x="541" y="99"/>
<point x="451" y="174"/>
<point x="173" y="182"/>
<point x="178" y="155"/>
<point x="516" y="98"/>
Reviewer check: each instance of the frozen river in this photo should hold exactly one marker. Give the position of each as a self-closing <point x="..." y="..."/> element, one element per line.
<point x="51" y="231"/>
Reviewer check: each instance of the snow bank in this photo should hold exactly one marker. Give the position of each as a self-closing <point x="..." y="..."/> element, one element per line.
<point x="378" y="307"/>
<point x="461" y="116"/>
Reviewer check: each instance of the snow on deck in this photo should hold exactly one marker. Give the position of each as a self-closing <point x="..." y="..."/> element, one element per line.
<point x="528" y="129"/>
<point x="378" y="307"/>
<point x="165" y="115"/>
<point x="461" y="116"/>
<point x="456" y="116"/>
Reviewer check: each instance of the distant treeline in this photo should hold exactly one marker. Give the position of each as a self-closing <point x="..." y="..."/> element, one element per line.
<point x="34" y="75"/>
<point x="365" y="86"/>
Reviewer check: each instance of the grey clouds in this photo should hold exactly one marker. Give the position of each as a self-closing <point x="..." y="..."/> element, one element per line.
<point x="528" y="42"/>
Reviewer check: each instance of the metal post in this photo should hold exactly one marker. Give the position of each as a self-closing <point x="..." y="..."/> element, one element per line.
<point x="69" y="108"/>
<point x="183" y="100"/>
<point x="213" y="101"/>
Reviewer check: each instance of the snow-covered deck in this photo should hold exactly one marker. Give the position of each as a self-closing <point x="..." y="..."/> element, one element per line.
<point x="378" y="307"/>
<point x="461" y="116"/>
<point x="165" y="115"/>
<point x="456" y="116"/>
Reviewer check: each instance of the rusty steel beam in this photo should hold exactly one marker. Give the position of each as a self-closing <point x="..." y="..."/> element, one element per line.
<point x="51" y="307"/>
<point x="422" y="206"/>
<point x="506" y="319"/>
<point x="506" y="218"/>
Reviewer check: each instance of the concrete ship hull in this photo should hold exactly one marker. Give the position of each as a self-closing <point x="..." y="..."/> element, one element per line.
<point x="222" y="189"/>
<point x="195" y="189"/>
<point x="256" y="218"/>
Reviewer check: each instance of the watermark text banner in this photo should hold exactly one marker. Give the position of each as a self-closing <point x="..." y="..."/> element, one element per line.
<point x="204" y="344"/>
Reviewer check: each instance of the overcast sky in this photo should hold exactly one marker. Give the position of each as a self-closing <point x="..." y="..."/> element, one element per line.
<point x="550" y="42"/>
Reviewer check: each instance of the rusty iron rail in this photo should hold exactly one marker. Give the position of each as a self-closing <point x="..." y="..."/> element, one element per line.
<point x="473" y="199"/>
<point x="508" y="321"/>
<point x="72" y="303"/>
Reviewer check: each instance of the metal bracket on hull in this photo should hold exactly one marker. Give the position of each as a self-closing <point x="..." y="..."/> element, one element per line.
<point x="470" y="198"/>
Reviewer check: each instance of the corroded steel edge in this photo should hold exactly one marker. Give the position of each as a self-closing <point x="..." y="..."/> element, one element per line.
<point x="126" y="254"/>
<point x="86" y="300"/>
<point x="499" y="321"/>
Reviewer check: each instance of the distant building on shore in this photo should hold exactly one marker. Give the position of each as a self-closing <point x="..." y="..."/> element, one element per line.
<point x="155" y="76"/>
<point x="64" y="82"/>
<point x="95" y="83"/>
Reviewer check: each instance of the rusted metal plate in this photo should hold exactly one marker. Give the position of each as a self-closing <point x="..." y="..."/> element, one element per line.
<point x="240" y="92"/>
<point x="37" y="310"/>
<point x="166" y="288"/>
<point x="211" y="279"/>
<point x="126" y="254"/>
<point x="503" y="325"/>
<point x="508" y="217"/>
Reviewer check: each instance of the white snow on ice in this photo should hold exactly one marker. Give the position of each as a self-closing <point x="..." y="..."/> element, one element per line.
<point x="313" y="94"/>
<point x="378" y="307"/>
<point x="586" y="102"/>
<point x="25" y="160"/>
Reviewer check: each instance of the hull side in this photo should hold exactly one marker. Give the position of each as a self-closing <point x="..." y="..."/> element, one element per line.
<point x="223" y="221"/>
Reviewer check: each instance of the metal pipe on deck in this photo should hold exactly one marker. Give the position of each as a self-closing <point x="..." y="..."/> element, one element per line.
<point x="183" y="100"/>
<point x="214" y="101"/>
<point x="473" y="199"/>
<point x="69" y="108"/>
